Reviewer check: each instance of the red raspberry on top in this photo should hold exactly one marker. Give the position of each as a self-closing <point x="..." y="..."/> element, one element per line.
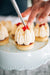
<point x="30" y="43"/>
<point x="25" y="27"/>
<point x="41" y="24"/>
<point x="18" y="24"/>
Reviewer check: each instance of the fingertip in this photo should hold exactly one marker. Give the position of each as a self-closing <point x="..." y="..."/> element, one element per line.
<point x="22" y="15"/>
<point x="40" y="18"/>
<point x="28" y="23"/>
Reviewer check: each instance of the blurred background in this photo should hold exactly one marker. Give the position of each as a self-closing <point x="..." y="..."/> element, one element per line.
<point x="7" y="11"/>
<point x="6" y="7"/>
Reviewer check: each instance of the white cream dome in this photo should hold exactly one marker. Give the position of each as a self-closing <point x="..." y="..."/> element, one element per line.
<point x="24" y="37"/>
<point x="42" y="31"/>
<point x="7" y="24"/>
<point x="3" y="32"/>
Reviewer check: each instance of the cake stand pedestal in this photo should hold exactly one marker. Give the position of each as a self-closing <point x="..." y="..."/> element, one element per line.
<point x="13" y="59"/>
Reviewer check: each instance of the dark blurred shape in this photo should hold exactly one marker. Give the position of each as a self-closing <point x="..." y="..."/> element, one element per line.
<point x="6" y="7"/>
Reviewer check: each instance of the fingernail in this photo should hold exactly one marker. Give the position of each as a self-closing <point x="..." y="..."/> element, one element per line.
<point x="40" y="19"/>
<point x="28" y="24"/>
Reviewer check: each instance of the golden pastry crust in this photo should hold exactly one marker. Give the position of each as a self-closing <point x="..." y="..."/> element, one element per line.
<point x="24" y="47"/>
<point x="5" y="41"/>
<point x="41" y="39"/>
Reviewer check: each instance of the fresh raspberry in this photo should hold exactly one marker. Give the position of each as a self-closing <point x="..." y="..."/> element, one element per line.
<point x="30" y="43"/>
<point x="41" y="24"/>
<point x="18" y="24"/>
<point x="25" y="27"/>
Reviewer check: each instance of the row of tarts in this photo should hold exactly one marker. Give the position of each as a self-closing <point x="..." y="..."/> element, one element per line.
<point x="24" y="36"/>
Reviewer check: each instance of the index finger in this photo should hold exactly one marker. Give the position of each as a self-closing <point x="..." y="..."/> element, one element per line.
<point x="26" y="12"/>
<point x="35" y="10"/>
<point x="33" y="14"/>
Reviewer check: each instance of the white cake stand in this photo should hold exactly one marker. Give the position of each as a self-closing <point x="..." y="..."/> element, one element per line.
<point x="13" y="59"/>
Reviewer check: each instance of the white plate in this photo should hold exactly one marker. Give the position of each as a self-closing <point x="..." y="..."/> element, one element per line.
<point x="13" y="59"/>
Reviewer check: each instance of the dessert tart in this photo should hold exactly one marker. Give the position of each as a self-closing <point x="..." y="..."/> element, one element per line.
<point x="41" y="32"/>
<point x="12" y="34"/>
<point x="4" y="37"/>
<point x="24" y="37"/>
<point x="8" y="25"/>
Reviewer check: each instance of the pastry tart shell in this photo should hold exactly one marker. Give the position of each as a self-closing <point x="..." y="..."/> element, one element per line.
<point x="24" y="47"/>
<point x="41" y="39"/>
<point x="5" y="41"/>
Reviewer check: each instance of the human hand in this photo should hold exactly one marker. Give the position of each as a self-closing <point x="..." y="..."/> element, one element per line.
<point x="42" y="8"/>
